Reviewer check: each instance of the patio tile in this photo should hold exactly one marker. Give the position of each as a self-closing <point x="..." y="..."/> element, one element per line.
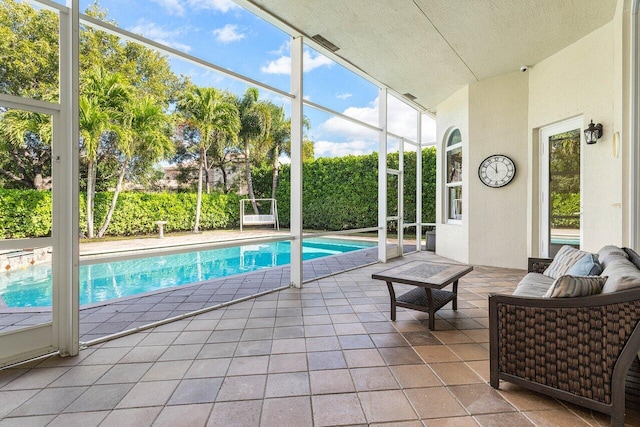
<point x="435" y="402"/>
<point x="349" y="329"/>
<point x="124" y="373"/>
<point x="331" y="381"/>
<point x="236" y="414"/>
<point x="230" y="335"/>
<point x="455" y="373"/>
<point x="349" y="342"/>
<point x="99" y="397"/>
<point x="10" y="400"/>
<point x="143" y="354"/>
<point x="250" y="365"/>
<point x="456" y="422"/>
<point x="554" y="418"/>
<point x="131" y="417"/>
<point x="173" y="370"/>
<point x="186" y="415"/>
<point x="200" y="390"/>
<point x="290" y="345"/>
<point x="415" y="376"/>
<point x="481" y="399"/>
<point x="35" y="379"/>
<point x="389" y="340"/>
<point x="253" y="348"/>
<point x="322" y="360"/>
<point x="242" y="388"/>
<point x="340" y="409"/>
<point x="48" y="401"/>
<point x="193" y="337"/>
<point x="213" y="351"/>
<point x="399" y="356"/>
<point x="436" y="353"/>
<point x="181" y="352"/>
<point x="322" y="344"/>
<point x="36" y="421"/>
<point x="363" y="358"/>
<point x="292" y="411"/>
<point x="156" y="393"/>
<point x="386" y="406"/>
<point x="79" y="419"/>
<point x="503" y="419"/>
<point x="81" y="375"/>
<point x="206" y="368"/>
<point x="287" y="384"/>
<point x="526" y="400"/>
<point x="369" y="379"/>
<point x="292" y="362"/>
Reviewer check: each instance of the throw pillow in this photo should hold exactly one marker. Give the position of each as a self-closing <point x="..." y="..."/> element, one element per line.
<point x="610" y="253"/>
<point x="622" y="275"/>
<point x="575" y="286"/>
<point x="588" y="265"/>
<point x="563" y="261"/>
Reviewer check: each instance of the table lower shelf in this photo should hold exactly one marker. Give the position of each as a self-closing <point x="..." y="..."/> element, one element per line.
<point x="417" y="299"/>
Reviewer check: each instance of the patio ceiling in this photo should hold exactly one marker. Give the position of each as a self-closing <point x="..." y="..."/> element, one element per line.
<point x="431" y="48"/>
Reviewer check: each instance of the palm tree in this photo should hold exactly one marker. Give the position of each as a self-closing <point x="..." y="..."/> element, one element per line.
<point x="101" y="104"/>
<point x="279" y="138"/>
<point x="143" y="133"/>
<point x="209" y="113"/>
<point x="255" y="119"/>
<point x="26" y="138"/>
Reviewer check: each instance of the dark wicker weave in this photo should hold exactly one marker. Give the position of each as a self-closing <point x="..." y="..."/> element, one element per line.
<point x="576" y="349"/>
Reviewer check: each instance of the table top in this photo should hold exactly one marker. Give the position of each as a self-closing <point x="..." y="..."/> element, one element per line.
<point x="424" y="274"/>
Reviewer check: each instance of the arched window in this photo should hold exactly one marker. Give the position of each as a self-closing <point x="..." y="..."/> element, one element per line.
<point x="453" y="181"/>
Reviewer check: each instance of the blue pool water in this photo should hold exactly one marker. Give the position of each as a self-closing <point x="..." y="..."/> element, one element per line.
<point x="31" y="287"/>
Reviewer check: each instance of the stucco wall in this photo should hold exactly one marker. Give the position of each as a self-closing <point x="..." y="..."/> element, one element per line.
<point x="504" y="115"/>
<point x="498" y="216"/>
<point x="567" y="85"/>
<point x="452" y="240"/>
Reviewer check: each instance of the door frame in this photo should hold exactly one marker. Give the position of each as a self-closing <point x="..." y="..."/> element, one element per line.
<point x="544" y="134"/>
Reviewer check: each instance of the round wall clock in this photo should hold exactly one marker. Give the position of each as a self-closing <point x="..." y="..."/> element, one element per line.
<point x="496" y="171"/>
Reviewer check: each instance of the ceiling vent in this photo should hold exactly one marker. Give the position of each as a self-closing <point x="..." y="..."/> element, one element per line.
<point x="325" y="43"/>
<point x="409" y="96"/>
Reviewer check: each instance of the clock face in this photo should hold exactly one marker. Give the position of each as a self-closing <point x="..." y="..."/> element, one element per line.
<point x="496" y="171"/>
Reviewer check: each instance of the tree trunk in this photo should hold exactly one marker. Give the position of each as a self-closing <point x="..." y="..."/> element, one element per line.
<point x="196" y="226"/>
<point x="114" y="200"/>
<point x="276" y="171"/>
<point x="206" y="174"/>
<point x="90" y="194"/>
<point x="224" y="178"/>
<point x="247" y="174"/>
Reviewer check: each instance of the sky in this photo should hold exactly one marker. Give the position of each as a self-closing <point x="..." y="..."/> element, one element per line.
<point x="223" y="33"/>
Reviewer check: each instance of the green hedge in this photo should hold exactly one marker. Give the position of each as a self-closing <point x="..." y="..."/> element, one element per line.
<point x="342" y="193"/>
<point x="27" y="213"/>
<point x="339" y="194"/>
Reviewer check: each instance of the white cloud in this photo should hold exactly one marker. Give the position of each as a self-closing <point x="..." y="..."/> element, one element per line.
<point x="402" y="121"/>
<point x="345" y="95"/>
<point x="227" y="34"/>
<point x="160" y="34"/>
<point x="339" y="149"/>
<point x="173" y="7"/>
<point x="310" y="62"/>
<point x="218" y="5"/>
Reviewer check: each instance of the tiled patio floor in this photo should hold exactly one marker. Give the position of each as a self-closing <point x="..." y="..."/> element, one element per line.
<point x="324" y="355"/>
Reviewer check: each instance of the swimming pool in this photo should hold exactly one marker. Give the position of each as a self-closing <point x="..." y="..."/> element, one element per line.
<point x="102" y="282"/>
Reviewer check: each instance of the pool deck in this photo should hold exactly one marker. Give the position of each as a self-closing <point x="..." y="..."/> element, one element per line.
<point x="104" y="319"/>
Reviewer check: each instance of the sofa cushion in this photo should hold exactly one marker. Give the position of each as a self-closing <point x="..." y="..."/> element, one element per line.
<point x="588" y="265"/>
<point x="633" y="257"/>
<point x="533" y="285"/>
<point x="622" y="275"/>
<point x="563" y="261"/>
<point x="610" y="253"/>
<point x="575" y="286"/>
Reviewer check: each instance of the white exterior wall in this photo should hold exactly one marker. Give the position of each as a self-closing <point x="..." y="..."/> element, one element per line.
<point x="452" y="240"/>
<point x="498" y="216"/>
<point x="503" y="115"/>
<point x="567" y="85"/>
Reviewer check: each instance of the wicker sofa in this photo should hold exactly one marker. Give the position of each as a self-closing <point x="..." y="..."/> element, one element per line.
<point x="583" y="350"/>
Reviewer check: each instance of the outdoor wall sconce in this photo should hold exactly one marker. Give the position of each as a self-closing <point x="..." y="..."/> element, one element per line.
<point x="593" y="133"/>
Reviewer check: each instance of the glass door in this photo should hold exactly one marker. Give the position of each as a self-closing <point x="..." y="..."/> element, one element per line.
<point x="561" y="205"/>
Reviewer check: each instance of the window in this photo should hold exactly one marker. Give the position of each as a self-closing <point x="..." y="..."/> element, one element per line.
<point x="453" y="182"/>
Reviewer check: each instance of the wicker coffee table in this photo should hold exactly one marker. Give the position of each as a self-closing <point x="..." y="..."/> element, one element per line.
<point x="429" y="279"/>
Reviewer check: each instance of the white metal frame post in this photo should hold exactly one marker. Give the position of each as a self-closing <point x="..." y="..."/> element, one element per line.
<point x="401" y="197"/>
<point x="66" y="327"/>
<point x="419" y="183"/>
<point x="382" y="175"/>
<point x="296" y="161"/>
